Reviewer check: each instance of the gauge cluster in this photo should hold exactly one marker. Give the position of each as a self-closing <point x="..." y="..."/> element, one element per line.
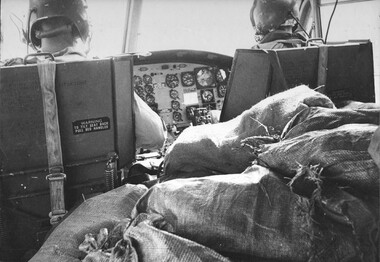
<point x="175" y="89"/>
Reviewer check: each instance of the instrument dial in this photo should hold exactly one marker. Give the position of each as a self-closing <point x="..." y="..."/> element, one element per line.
<point x="176" y="105"/>
<point x="137" y="80"/>
<point x="173" y="94"/>
<point x="221" y="75"/>
<point x="222" y="89"/>
<point x="147" y="79"/>
<point x="177" y="116"/>
<point x="187" y="78"/>
<point x="205" y="77"/>
<point x="150" y="99"/>
<point x="207" y="96"/>
<point x="149" y="89"/>
<point x="140" y="92"/>
<point x="172" y="80"/>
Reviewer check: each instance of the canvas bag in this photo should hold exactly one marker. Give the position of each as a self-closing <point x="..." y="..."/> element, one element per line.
<point x="342" y="152"/>
<point x="250" y="215"/>
<point x="255" y="216"/>
<point x="217" y="149"/>
<point x="318" y="118"/>
<point x="102" y="211"/>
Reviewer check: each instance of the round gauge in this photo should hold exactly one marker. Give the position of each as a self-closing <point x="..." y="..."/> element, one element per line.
<point x="207" y="96"/>
<point x="173" y="94"/>
<point x="137" y="80"/>
<point x="205" y="77"/>
<point x="150" y="99"/>
<point x="222" y="89"/>
<point x="140" y="91"/>
<point x="172" y="80"/>
<point x="177" y="116"/>
<point x="221" y="75"/>
<point x="149" y="89"/>
<point x="176" y="105"/>
<point x="187" y="79"/>
<point x="147" y="79"/>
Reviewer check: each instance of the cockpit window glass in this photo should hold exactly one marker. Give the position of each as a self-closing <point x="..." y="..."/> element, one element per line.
<point x="219" y="26"/>
<point x="107" y="20"/>
<point x="13" y="18"/>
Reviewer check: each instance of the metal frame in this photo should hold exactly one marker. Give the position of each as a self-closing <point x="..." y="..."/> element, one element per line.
<point x="310" y="9"/>
<point x="131" y="26"/>
<point x="332" y="2"/>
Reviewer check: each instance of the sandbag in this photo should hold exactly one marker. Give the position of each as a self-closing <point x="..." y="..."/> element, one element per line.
<point x="352" y="225"/>
<point x="347" y="224"/>
<point x="152" y="244"/>
<point x="341" y="152"/>
<point x="318" y="118"/>
<point x="253" y="215"/>
<point x="144" y="239"/>
<point x="217" y="149"/>
<point x="352" y="104"/>
<point x="103" y="211"/>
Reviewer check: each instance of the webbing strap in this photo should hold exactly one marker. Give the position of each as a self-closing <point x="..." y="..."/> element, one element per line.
<point x="279" y="83"/>
<point x="46" y="71"/>
<point x="322" y="68"/>
<point x="56" y="177"/>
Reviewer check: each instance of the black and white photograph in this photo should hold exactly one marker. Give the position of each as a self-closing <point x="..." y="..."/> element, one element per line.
<point x="189" y="130"/>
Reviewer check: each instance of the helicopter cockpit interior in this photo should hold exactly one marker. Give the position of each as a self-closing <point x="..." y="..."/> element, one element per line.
<point x="191" y="68"/>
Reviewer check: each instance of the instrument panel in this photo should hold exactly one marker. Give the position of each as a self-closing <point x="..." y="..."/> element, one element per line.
<point x="175" y="90"/>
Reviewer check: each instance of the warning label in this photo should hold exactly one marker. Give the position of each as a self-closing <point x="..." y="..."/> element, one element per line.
<point x="91" y="125"/>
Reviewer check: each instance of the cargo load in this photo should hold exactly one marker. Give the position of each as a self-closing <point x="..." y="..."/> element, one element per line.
<point x="219" y="148"/>
<point x="309" y="192"/>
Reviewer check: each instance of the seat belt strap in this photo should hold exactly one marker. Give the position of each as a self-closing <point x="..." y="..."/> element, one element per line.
<point x="323" y="59"/>
<point x="56" y="176"/>
<point x="278" y="83"/>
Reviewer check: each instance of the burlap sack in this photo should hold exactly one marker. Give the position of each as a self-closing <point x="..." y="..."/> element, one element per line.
<point x="345" y="222"/>
<point x="341" y="152"/>
<point x="318" y="118"/>
<point x="146" y="238"/>
<point x="217" y="149"/>
<point x="103" y="211"/>
<point x="352" y="104"/>
<point x="252" y="215"/>
<point x="350" y="227"/>
<point x="152" y="245"/>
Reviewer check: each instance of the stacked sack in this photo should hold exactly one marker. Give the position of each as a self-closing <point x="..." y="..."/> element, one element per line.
<point x="340" y="149"/>
<point x="221" y="149"/>
<point x="255" y="216"/>
<point x="246" y="217"/>
<point x="344" y="187"/>
<point x="316" y="158"/>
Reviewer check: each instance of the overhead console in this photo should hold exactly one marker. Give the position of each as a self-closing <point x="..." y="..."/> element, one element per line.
<point x="182" y="86"/>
